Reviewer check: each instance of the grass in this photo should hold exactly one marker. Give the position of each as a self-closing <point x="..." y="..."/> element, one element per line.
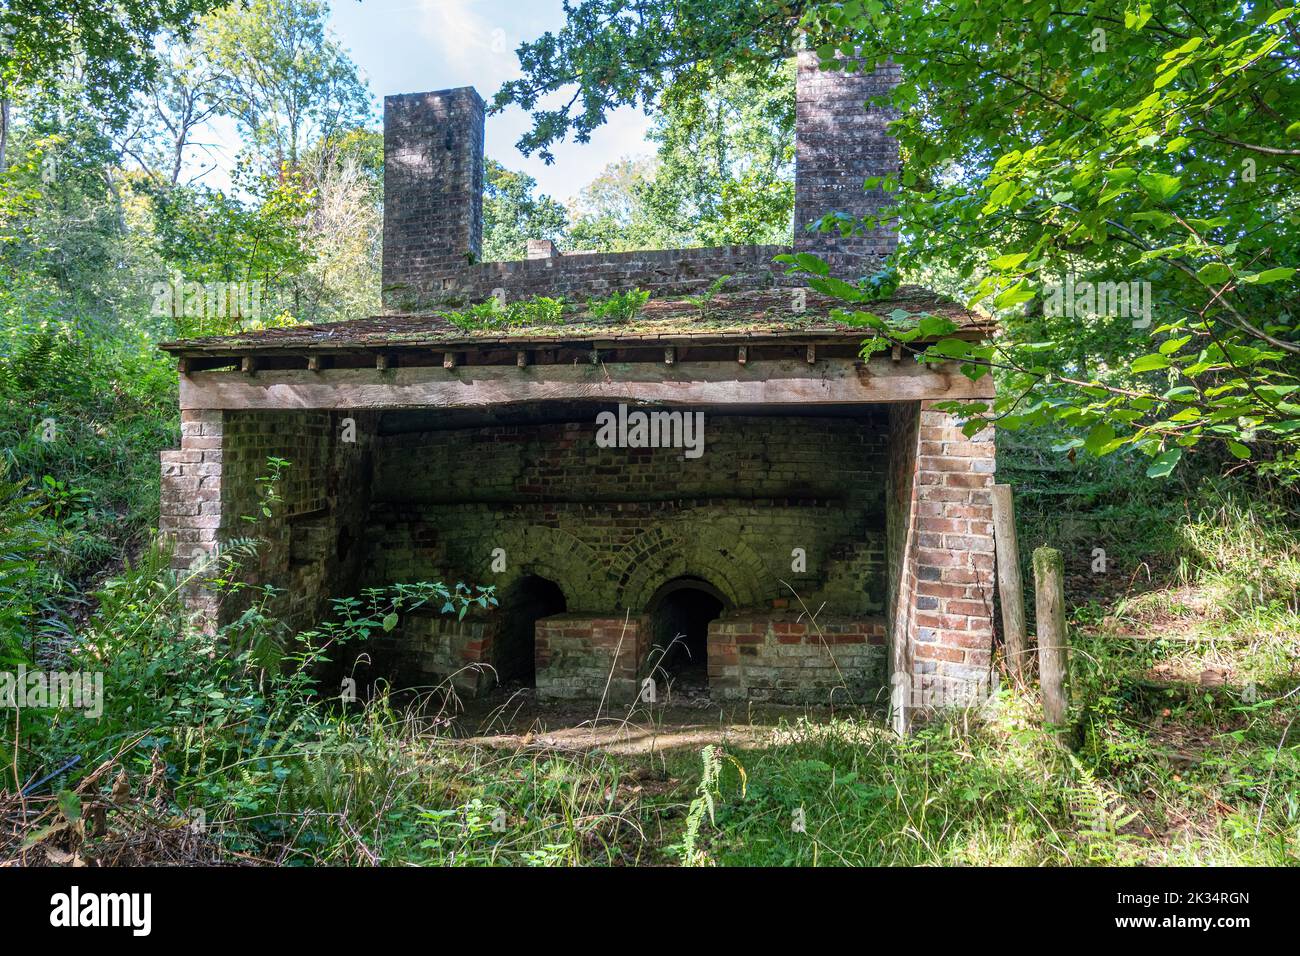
<point x="1165" y="773"/>
<point x="1183" y="675"/>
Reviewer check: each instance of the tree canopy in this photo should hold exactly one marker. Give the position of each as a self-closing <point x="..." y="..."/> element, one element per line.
<point x="1141" y="151"/>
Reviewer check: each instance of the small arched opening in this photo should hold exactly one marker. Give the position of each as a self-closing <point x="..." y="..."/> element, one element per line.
<point x="530" y="599"/>
<point x="680" y="613"/>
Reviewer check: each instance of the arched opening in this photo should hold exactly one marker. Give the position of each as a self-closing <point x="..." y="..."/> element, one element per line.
<point x="680" y="613"/>
<point x="533" y="597"/>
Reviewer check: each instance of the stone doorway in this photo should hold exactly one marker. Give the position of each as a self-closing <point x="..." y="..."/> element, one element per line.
<point x="680" y="613"/>
<point x="529" y="600"/>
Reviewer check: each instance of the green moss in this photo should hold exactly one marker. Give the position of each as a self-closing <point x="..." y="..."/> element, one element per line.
<point x="1048" y="561"/>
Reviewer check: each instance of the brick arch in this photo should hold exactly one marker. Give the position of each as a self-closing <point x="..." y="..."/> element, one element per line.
<point x="557" y="556"/>
<point x="658" y="555"/>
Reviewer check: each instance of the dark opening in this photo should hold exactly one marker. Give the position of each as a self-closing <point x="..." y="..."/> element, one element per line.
<point x="531" y="599"/>
<point x="679" y="627"/>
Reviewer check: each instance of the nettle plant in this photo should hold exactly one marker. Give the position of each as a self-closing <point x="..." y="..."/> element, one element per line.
<point x="1117" y="185"/>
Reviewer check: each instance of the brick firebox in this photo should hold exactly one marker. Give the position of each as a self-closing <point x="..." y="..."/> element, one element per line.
<point x="832" y="539"/>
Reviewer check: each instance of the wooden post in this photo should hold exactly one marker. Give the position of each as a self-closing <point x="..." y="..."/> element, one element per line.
<point x="1011" y="587"/>
<point x="1053" y="644"/>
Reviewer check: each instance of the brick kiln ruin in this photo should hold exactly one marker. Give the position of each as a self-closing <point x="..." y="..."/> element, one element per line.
<point x="833" y="538"/>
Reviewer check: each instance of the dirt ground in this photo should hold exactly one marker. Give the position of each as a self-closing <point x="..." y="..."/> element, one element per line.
<point x="513" y="718"/>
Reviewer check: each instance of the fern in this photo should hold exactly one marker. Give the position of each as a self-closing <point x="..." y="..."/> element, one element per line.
<point x="1099" y="815"/>
<point x="703" y="301"/>
<point x="491" y="314"/>
<point x="705" y="803"/>
<point x="44" y="358"/>
<point x="23" y="539"/>
<point x="620" y="307"/>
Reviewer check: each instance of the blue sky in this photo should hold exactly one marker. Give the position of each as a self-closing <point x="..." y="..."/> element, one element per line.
<point x="405" y="46"/>
<point x="409" y="46"/>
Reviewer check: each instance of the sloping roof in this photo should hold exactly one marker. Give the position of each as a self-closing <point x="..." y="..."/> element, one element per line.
<point x="734" y="317"/>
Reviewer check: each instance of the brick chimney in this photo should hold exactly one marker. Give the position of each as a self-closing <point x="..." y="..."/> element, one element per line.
<point x="840" y="141"/>
<point x="433" y="193"/>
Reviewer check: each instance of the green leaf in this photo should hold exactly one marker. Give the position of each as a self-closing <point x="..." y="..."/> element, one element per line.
<point x="836" y="288"/>
<point x="1215" y="273"/>
<point x="1239" y="450"/>
<point x="1164" y="464"/>
<point x="1101" y="435"/>
<point x="70" y="806"/>
<point x="1136" y="19"/>
<point x="1009" y="261"/>
<point x="1268" y="275"/>
<point x="1159" y="186"/>
<point x="935" y="326"/>
<point x="1018" y="293"/>
<point x="1167" y="77"/>
<point x="1149" y="363"/>
<point x="810" y="263"/>
<point x="1161" y="219"/>
<point x="390" y="622"/>
<point x="806" y="262"/>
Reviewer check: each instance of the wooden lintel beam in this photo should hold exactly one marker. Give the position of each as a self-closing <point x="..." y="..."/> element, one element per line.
<point x="835" y="381"/>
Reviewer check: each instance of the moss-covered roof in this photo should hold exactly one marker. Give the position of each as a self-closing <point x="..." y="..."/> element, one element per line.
<point x="733" y="317"/>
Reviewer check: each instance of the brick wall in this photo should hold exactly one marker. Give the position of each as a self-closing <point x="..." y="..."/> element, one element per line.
<point x="611" y="525"/>
<point x="942" y="629"/>
<point x="839" y="143"/>
<point x="433" y="188"/>
<point x="427" y="649"/>
<point x="579" y="656"/>
<point x="433" y="218"/>
<point x="892" y="509"/>
<point x="307" y="549"/>
<point x="785" y="657"/>
<point x="579" y="276"/>
<point x="191" y="515"/>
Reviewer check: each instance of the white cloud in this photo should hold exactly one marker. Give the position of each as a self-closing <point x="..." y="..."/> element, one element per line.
<point x="466" y="38"/>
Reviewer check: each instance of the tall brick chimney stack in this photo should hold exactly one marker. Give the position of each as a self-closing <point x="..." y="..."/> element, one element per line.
<point x="433" y="193"/>
<point x="840" y="141"/>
